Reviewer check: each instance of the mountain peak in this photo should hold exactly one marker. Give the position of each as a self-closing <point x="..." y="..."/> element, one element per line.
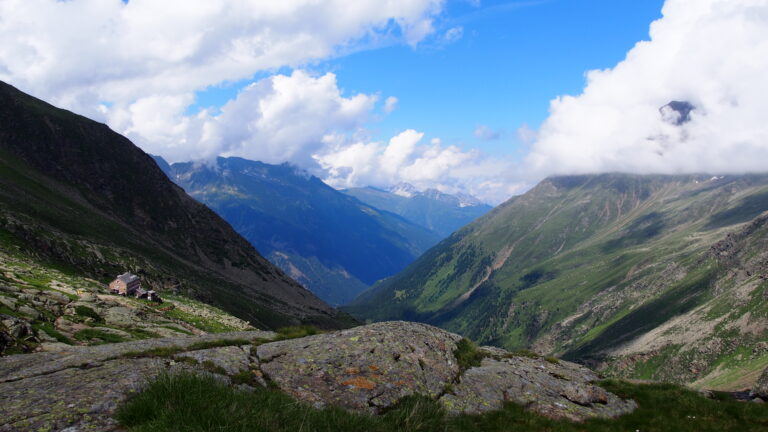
<point x="677" y="112"/>
<point x="404" y="190"/>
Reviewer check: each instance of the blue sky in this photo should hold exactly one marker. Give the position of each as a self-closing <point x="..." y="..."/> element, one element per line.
<point x="513" y="58"/>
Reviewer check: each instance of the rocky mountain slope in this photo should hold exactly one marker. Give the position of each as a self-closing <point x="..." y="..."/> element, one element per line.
<point x="653" y="277"/>
<point x="366" y="369"/>
<point x="333" y="244"/>
<point x="43" y="308"/>
<point x="75" y="194"/>
<point x="440" y="212"/>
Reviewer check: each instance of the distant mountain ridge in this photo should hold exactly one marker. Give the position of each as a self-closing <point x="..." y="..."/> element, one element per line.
<point x="432" y="209"/>
<point x="332" y="243"/>
<point x="73" y="193"/>
<point x="652" y="277"/>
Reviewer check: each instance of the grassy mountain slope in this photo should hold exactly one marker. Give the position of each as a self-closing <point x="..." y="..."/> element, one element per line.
<point x="441" y="213"/>
<point x="334" y="244"/>
<point x="76" y="194"/>
<point x="590" y="266"/>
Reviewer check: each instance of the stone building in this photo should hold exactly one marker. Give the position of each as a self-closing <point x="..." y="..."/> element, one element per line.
<point x="128" y="284"/>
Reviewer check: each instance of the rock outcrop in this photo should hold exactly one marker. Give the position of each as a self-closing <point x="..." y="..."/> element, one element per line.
<point x="365" y="369"/>
<point x="761" y="387"/>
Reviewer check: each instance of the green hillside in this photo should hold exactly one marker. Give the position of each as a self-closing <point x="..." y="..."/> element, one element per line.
<point x="76" y="195"/>
<point x="627" y="273"/>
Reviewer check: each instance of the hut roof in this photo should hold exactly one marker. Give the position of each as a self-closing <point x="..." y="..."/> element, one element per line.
<point x="128" y="277"/>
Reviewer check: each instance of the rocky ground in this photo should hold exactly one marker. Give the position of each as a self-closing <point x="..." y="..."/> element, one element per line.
<point x="366" y="369"/>
<point x="42" y="308"/>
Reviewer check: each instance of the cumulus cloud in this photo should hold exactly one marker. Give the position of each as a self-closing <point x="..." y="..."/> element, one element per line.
<point x="277" y="119"/>
<point x="390" y="104"/>
<point x="712" y="54"/>
<point x="453" y="34"/>
<point x="485" y="133"/>
<point x="80" y="53"/>
<point x="406" y="158"/>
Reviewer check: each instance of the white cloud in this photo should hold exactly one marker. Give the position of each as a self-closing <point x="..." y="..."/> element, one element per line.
<point x="526" y="135"/>
<point x="390" y="104"/>
<point x="277" y="119"/>
<point x="453" y="34"/>
<point x="406" y="159"/>
<point x="711" y="53"/>
<point x="485" y="133"/>
<point x="80" y="53"/>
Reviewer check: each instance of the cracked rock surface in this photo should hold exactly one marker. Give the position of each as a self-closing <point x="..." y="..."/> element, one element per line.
<point x="561" y="391"/>
<point x="81" y="387"/>
<point x="761" y="387"/>
<point x="365" y="368"/>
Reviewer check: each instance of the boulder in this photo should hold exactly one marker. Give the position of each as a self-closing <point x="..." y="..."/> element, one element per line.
<point x="760" y="389"/>
<point x="556" y="390"/>
<point x="366" y="368"/>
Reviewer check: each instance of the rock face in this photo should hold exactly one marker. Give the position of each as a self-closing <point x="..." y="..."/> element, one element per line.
<point x="82" y="386"/>
<point x="370" y="368"/>
<point x="365" y="369"/>
<point x="761" y="387"/>
<point x="561" y="390"/>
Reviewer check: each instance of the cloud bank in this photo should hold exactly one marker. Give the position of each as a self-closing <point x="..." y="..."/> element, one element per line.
<point x="712" y="54"/>
<point x="138" y="65"/>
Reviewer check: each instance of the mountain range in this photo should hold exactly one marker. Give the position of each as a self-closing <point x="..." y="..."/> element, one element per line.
<point x="76" y="195"/>
<point x="332" y="243"/>
<point x="644" y="276"/>
<point x="440" y="212"/>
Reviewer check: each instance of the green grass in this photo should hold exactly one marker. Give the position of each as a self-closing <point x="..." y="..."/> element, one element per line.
<point x="89" y="334"/>
<point x="51" y="331"/>
<point x="467" y="354"/>
<point x="295" y="332"/>
<point x="85" y="311"/>
<point x="186" y="402"/>
<point x="204" y="324"/>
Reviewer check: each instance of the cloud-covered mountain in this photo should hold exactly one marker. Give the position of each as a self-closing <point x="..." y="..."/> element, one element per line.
<point x="440" y="212"/>
<point x="332" y="243"/>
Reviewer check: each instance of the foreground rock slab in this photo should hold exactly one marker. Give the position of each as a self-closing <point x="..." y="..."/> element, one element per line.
<point x="365" y="368"/>
<point x="81" y="387"/>
<point x="370" y="368"/>
<point x="559" y="390"/>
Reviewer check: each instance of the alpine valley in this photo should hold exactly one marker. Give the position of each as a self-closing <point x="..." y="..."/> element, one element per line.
<point x="642" y="276"/>
<point x="333" y="244"/>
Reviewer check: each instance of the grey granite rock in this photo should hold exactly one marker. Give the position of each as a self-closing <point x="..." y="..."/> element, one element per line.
<point x="365" y="368"/>
<point x="232" y="359"/>
<point x="761" y="386"/>
<point x="556" y="390"/>
<point x="80" y="387"/>
<point x="16" y="367"/>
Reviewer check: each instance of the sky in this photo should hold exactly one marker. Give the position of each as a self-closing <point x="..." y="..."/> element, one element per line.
<point x="475" y="96"/>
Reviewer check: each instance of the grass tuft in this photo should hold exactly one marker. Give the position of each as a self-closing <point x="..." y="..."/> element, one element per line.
<point x="85" y="311"/>
<point x="295" y="332"/>
<point x="468" y="354"/>
<point x="90" y="334"/>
